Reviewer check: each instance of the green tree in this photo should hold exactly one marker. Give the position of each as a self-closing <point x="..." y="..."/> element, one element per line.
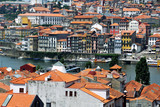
<point x="38" y="67"/>
<point x="88" y="64"/>
<point x="142" y="72"/>
<point x="113" y="61"/>
<point x="66" y="7"/>
<point x="62" y="60"/>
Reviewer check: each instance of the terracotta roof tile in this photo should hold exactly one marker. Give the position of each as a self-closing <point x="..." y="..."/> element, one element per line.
<point x="57" y="76"/>
<point x="20" y="80"/>
<point x="17" y="100"/>
<point x="41" y="14"/>
<point x="4" y="86"/>
<point x="130" y="88"/>
<point x="116" y="67"/>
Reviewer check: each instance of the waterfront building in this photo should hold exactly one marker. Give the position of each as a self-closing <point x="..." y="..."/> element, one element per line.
<point x="25" y="44"/>
<point x="49" y="42"/>
<point x="111" y="43"/>
<point x="82" y="43"/>
<point x="145" y="30"/>
<point x="117" y="44"/>
<point x="106" y="45"/>
<point x="33" y="41"/>
<point x="128" y="37"/>
<point x="2" y="33"/>
<point x="152" y="40"/>
<point x="15" y="34"/>
<point x="62" y="45"/>
<point x="41" y="18"/>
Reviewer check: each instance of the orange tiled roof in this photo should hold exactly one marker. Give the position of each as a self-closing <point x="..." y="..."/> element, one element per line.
<point x="61" y="32"/>
<point x="86" y="16"/>
<point x="155" y="36"/>
<point x="131" y="9"/>
<point x="95" y="13"/>
<point x="41" y="9"/>
<point x="139" y="36"/>
<point x="97" y="96"/>
<point x="130" y="88"/>
<point x="57" y="76"/>
<point x="31" y="65"/>
<point x="4" y="86"/>
<point x="41" y="14"/>
<point x="19" y="43"/>
<point x="62" y="40"/>
<point x="20" y="80"/>
<point x="114" y="24"/>
<point x="142" y="17"/>
<point x="81" y="22"/>
<point x="127" y="31"/>
<point x="17" y="100"/>
<point x="116" y="67"/>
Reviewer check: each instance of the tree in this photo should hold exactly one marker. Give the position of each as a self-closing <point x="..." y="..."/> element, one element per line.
<point x="66" y="7"/>
<point x="142" y="72"/>
<point x="113" y="61"/>
<point x="62" y="60"/>
<point x="38" y="67"/>
<point x="88" y="64"/>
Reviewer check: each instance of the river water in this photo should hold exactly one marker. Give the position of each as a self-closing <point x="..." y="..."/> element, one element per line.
<point x="15" y="63"/>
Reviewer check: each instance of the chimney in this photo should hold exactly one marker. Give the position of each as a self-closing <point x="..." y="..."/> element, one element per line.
<point x="48" y="78"/>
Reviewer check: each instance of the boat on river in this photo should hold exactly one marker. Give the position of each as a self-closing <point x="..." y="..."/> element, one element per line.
<point x="153" y="63"/>
<point x="47" y="59"/>
<point x="102" y="60"/>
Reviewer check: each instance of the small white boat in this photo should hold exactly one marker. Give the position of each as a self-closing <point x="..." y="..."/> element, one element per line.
<point x="47" y="59"/>
<point x="21" y="57"/>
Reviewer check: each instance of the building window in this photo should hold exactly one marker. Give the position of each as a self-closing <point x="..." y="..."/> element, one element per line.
<point x="48" y="105"/>
<point x="21" y="90"/>
<point x="66" y="93"/>
<point x="70" y="93"/>
<point x="75" y="94"/>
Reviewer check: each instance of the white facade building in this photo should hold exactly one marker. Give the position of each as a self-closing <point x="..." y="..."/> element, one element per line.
<point x="32" y="2"/>
<point x="130" y="12"/>
<point x="117" y="44"/>
<point x="47" y="43"/>
<point x="152" y="40"/>
<point x="136" y="47"/>
<point x="64" y="90"/>
<point x="25" y="44"/>
<point x="40" y="19"/>
<point x="67" y="2"/>
<point x="95" y="27"/>
<point x="134" y="25"/>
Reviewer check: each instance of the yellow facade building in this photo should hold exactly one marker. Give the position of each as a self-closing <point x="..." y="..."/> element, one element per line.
<point x="128" y="37"/>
